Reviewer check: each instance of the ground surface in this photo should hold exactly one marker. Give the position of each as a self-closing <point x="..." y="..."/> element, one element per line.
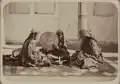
<point x="108" y="70"/>
<point x="105" y="69"/>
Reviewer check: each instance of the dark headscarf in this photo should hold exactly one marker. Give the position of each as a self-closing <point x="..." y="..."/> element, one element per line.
<point x="61" y="40"/>
<point x="83" y="33"/>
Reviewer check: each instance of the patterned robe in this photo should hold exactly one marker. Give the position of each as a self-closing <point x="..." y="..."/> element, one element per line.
<point x="28" y="54"/>
<point x="90" y="54"/>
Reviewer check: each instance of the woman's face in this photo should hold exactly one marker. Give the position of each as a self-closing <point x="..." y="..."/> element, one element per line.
<point x="60" y="35"/>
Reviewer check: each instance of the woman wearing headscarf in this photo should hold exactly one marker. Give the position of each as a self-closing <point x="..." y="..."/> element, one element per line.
<point x="28" y="52"/>
<point x="90" y="54"/>
<point x="28" y="56"/>
<point x="60" y="49"/>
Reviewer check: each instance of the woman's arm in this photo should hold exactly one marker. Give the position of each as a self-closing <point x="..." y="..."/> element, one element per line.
<point x="65" y="43"/>
<point x="95" y="47"/>
<point x="96" y="51"/>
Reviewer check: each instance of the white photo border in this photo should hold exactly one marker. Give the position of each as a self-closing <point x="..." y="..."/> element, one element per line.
<point x="52" y="80"/>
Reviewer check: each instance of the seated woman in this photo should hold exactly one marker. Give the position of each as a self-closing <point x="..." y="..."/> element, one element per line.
<point x="60" y="49"/>
<point x="28" y="52"/>
<point x="28" y="56"/>
<point x="90" y="54"/>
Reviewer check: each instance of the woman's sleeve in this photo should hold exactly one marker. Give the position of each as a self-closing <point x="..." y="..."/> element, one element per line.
<point x="95" y="47"/>
<point x="30" y="50"/>
<point x="65" y="43"/>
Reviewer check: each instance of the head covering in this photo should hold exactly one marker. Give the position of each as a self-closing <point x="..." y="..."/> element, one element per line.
<point x="32" y="31"/>
<point x="58" y="32"/>
<point x="84" y="32"/>
<point x="32" y="34"/>
<point x="60" y="35"/>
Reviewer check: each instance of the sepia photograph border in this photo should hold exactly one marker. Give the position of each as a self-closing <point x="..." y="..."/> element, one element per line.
<point x="52" y="80"/>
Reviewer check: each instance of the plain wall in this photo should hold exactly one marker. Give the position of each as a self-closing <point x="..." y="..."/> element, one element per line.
<point x="18" y="26"/>
<point x="104" y="28"/>
<point x="68" y="19"/>
<point x="101" y="20"/>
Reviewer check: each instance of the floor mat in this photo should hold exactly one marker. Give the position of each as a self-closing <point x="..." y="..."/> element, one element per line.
<point x="107" y="69"/>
